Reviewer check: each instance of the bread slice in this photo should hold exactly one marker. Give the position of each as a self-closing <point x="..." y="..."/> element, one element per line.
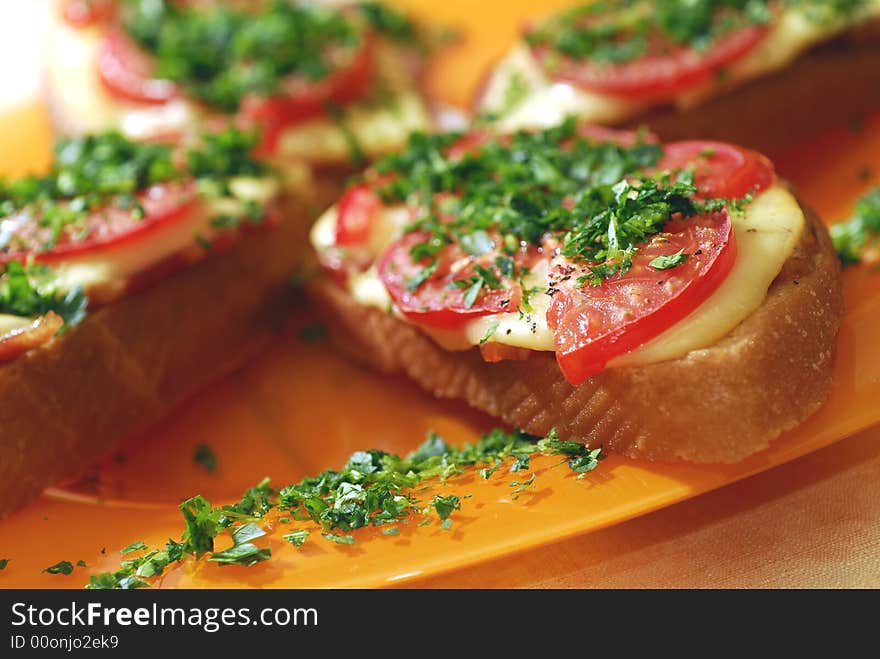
<point x="128" y="364"/>
<point x="832" y="85"/>
<point x="718" y="404"/>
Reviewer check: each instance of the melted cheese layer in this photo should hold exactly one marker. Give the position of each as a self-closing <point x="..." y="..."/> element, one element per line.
<point x="103" y="275"/>
<point x="766" y="234"/>
<point x="545" y="102"/>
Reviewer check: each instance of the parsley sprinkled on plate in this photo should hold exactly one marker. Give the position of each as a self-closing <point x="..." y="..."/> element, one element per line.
<point x="205" y="457"/>
<point x="853" y="238"/>
<point x="374" y="488"/>
<point x="62" y="567"/>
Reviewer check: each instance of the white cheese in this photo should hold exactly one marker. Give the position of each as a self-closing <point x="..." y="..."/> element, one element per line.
<point x="104" y="273"/>
<point x="10" y="323"/>
<point x="545" y="102"/>
<point x="765" y="234"/>
<point x="378" y="125"/>
<point x="765" y="237"/>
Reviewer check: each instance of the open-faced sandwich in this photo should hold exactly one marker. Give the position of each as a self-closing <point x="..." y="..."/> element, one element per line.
<point x="131" y="274"/>
<point x="328" y="84"/>
<point x="667" y="301"/>
<point x="757" y="72"/>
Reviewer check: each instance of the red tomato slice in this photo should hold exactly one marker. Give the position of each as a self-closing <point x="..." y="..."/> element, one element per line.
<point x="354" y="219"/>
<point x="438" y="302"/>
<point x="595" y="324"/>
<point x="301" y="99"/>
<point x="129" y="73"/>
<point x="669" y="70"/>
<point x="720" y="169"/>
<point x="102" y="229"/>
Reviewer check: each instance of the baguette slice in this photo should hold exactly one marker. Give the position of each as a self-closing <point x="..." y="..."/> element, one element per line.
<point x="714" y="405"/>
<point x="128" y="364"/>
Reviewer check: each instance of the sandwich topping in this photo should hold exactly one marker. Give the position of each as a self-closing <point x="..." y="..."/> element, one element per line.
<point x="114" y="215"/>
<point x="609" y="60"/>
<point x="279" y="65"/>
<point x="582" y="240"/>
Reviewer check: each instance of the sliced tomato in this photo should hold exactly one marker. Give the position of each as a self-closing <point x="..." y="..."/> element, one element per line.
<point x="594" y="324"/>
<point x="438" y="301"/>
<point x="130" y="73"/>
<point x="302" y="99"/>
<point x="720" y="169"/>
<point x="355" y="214"/>
<point x="82" y="13"/>
<point x="101" y="229"/>
<point x="667" y="69"/>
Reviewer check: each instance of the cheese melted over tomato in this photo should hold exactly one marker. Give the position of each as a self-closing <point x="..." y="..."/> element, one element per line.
<point x="766" y="234"/>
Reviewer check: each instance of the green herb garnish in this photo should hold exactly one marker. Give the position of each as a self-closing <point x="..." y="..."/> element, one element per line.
<point x="223" y="55"/>
<point x="512" y="192"/>
<point x="108" y="170"/>
<point x="668" y="261"/>
<point x="613" y="32"/>
<point x="374" y="488"/>
<point x="205" y="457"/>
<point x="861" y="231"/>
<point x="135" y="546"/>
<point x="297" y="538"/>
<point x="33" y="290"/>
<point x="62" y="567"/>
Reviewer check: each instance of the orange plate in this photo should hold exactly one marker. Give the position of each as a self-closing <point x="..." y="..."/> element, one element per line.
<point x="301" y="409"/>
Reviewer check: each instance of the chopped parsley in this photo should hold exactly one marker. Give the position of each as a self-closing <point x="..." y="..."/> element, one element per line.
<point x="3" y="563"/>
<point x="389" y="22"/>
<point x="297" y="538"/>
<point x="513" y="192"/>
<point x="222" y="56"/>
<point x="615" y="31"/>
<point x="33" y="290"/>
<point x="205" y="457"/>
<point x="62" y="567"/>
<point x="107" y="169"/>
<point x="861" y="232"/>
<point x="669" y="261"/>
<point x="87" y="172"/>
<point x="618" y="31"/>
<point x="374" y="488"/>
<point x="135" y="546"/>
<point x="521" y="486"/>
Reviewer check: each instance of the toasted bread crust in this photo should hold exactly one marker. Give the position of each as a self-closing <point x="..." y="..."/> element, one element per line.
<point x="718" y="404"/>
<point x="127" y="365"/>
